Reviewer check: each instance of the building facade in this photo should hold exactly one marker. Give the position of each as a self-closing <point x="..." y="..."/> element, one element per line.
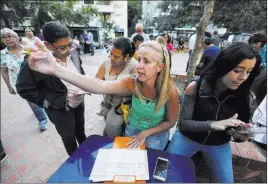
<point x="114" y="12"/>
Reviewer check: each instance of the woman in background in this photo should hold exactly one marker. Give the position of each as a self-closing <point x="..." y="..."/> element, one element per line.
<point x="119" y="64"/>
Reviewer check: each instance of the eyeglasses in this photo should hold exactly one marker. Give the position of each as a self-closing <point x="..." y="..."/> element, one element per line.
<point x="63" y="49"/>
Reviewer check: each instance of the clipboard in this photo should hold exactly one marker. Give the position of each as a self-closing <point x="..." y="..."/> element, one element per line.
<point x="121" y="143"/>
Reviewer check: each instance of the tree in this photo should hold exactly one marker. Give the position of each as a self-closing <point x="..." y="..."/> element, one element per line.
<point x="241" y="16"/>
<point x="55" y="10"/>
<point x="237" y="16"/>
<point x="107" y="27"/>
<point x="134" y="14"/>
<point x="200" y="32"/>
<point x="13" y="11"/>
<point x="178" y="14"/>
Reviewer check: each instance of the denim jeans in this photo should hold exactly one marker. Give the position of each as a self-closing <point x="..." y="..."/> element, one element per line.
<point x="39" y="113"/>
<point x="217" y="158"/>
<point x="156" y="141"/>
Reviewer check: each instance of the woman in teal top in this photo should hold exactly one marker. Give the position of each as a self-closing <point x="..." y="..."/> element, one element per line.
<point x="155" y="96"/>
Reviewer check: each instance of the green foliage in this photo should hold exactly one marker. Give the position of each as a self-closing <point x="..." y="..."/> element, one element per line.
<point x="107" y="27"/>
<point x="56" y="10"/>
<point x="71" y="3"/>
<point x="187" y="13"/>
<point x="16" y="13"/>
<point x="40" y="19"/>
<point x="244" y="15"/>
<point x="134" y="13"/>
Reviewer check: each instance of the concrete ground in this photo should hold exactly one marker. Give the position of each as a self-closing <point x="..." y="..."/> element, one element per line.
<point x="33" y="156"/>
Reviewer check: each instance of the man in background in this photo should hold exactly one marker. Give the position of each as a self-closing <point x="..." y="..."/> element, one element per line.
<point x="139" y="29"/>
<point x="215" y="39"/>
<point x="91" y="43"/>
<point x="137" y="40"/>
<point x="259" y="41"/>
<point x="192" y="40"/>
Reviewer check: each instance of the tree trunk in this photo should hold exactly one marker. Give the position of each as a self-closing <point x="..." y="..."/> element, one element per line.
<point x="200" y="32"/>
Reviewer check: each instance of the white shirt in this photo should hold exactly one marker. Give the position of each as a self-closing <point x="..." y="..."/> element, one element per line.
<point x="76" y="42"/>
<point x="145" y="36"/>
<point x="30" y="42"/>
<point x="192" y="41"/>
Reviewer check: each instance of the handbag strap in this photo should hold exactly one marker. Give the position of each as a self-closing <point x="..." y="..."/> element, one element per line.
<point x="113" y="95"/>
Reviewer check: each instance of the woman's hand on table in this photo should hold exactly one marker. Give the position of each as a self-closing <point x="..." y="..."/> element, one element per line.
<point x="137" y="140"/>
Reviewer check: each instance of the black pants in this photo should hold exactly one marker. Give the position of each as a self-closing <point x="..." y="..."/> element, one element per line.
<point x="1" y="148"/>
<point x="190" y="52"/>
<point x="70" y="125"/>
<point x="86" y="48"/>
<point x="91" y="49"/>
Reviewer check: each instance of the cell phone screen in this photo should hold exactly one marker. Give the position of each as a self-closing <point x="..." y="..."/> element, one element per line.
<point x="161" y="168"/>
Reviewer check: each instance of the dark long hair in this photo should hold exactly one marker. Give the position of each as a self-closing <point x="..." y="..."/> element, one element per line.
<point x="227" y="60"/>
<point x="124" y="45"/>
<point x="259" y="87"/>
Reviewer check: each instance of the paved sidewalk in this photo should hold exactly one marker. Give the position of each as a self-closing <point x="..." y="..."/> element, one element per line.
<point x="33" y="156"/>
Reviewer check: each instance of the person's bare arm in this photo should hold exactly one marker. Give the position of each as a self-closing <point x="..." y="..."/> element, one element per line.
<point x="45" y="62"/>
<point x="4" y="71"/>
<point x="5" y="74"/>
<point x="94" y="85"/>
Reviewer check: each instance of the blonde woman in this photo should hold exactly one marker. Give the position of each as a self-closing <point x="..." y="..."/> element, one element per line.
<point x="154" y="95"/>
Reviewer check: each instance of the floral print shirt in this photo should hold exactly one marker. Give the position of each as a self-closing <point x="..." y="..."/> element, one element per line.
<point x="12" y="62"/>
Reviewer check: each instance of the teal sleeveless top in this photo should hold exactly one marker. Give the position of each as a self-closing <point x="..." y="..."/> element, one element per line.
<point x="142" y="115"/>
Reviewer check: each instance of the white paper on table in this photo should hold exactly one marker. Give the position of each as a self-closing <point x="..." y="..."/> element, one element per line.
<point x="127" y="162"/>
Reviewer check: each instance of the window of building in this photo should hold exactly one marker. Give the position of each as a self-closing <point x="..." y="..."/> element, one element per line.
<point x="88" y="1"/>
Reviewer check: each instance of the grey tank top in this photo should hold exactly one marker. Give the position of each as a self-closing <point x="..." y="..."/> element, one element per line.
<point x="113" y="99"/>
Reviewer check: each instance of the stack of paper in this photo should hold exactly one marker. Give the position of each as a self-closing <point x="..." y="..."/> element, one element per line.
<point x="120" y="162"/>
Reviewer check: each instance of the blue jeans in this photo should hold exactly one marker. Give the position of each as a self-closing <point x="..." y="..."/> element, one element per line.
<point x="217" y="158"/>
<point x="156" y="141"/>
<point x="39" y="113"/>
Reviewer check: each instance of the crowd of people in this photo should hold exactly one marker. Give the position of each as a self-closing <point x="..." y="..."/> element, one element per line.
<point x="216" y="107"/>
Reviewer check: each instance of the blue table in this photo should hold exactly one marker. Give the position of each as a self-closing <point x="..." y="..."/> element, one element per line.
<point x="78" y="166"/>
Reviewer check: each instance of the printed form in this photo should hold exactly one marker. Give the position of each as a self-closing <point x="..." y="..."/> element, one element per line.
<point x="120" y="162"/>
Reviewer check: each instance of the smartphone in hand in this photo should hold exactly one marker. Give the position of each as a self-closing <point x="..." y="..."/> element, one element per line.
<point x="160" y="170"/>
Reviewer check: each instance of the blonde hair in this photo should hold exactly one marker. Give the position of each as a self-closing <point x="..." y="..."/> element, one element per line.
<point x="9" y="31"/>
<point x="160" y="40"/>
<point x="163" y="80"/>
